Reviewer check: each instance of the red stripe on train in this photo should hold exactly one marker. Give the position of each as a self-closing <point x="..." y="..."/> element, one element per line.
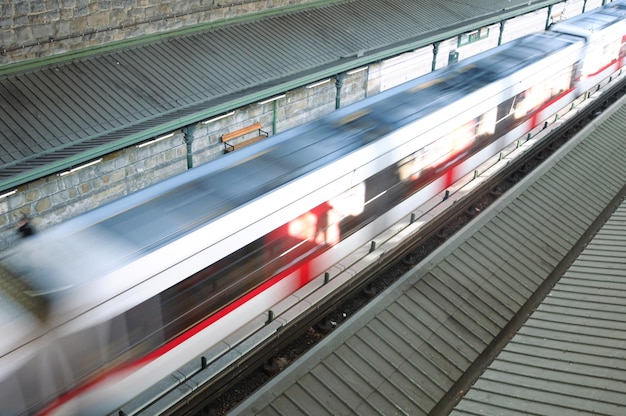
<point x="140" y="362"/>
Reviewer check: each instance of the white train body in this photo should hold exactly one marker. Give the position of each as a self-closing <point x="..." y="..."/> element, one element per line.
<point x="120" y="297"/>
<point x="603" y="30"/>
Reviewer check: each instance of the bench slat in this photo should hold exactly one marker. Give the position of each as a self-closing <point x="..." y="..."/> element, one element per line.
<point x="242" y="132"/>
<point x="229" y="136"/>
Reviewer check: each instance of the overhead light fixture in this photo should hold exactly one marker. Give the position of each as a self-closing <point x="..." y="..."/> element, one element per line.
<point x="8" y="193"/>
<point x="218" y="117"/>
<point x="158" y="139"/>
<point x="357" y="70"/>
<point x="93" y="162"/>
<point x="317" y="84"/>
<point x="269" y="100"/>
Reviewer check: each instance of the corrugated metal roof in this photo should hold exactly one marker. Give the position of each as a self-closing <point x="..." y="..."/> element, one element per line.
<point x="411" y="351"/>
<point x="68" y="112"/>
<point x="570" y="356"/>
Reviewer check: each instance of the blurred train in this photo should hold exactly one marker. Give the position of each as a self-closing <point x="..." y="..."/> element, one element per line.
<point x="95" y="310"/>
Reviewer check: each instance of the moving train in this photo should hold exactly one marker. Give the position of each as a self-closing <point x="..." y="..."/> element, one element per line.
<point x="95" y="310"/>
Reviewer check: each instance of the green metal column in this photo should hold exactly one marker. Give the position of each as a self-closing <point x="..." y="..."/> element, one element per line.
<point x="435" y="52"/>
<point x="547" y="25"/>
<point x="338" y="84"/>
<point x="274" y="116"/>
<point x="188" y="132"/>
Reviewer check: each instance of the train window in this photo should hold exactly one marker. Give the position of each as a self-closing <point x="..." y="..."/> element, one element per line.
<point x="317" y="229"/>
<point x="542" y="92"/>
<point x="434" y="152"/>
<point x="112" y="342"/>
<point x="487" y="122"/>
<point x="530" y="99"/>
<point x="350" y="202"/>
<point x="378" y="193"/>
<point x="462" y="137"/>
<point x="408" y="167"/>
<point x="332" y="234"/>
<point x="303" y="227"/>
<point x="611" y="51"/>
<point x="85" y="352"/>
<point x="601" y="53"/>
<point x="450" y="148"/>
<point x="325" y="224"/>
<point x="199" y="296"/>
<point x="16" y="395"/>
<point x="36" y="380"/>
<point x="560" y="82"/>
<point x="143" y="325"/>
<point x="113" y="335"/>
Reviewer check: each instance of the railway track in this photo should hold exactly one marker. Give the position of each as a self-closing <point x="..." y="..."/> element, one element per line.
<point x="229" y="381"/>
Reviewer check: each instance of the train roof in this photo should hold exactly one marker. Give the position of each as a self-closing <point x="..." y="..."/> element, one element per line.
<point x="596" y="21"/>
<point x="442" y="87"/>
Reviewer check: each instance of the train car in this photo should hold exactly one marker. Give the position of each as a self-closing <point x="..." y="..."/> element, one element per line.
<point x="604" y="30"/>
<point x="114" y="300"/>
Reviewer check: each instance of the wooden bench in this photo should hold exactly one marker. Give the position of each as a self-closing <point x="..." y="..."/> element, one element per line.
<point x="228" y="137"/>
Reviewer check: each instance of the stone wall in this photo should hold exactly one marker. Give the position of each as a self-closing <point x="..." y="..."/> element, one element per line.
<point x="57" y="198"/>
<point x="35" y="28"/>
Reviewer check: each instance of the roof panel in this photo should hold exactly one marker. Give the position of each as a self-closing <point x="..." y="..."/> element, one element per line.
<point x="569" y="356"/>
